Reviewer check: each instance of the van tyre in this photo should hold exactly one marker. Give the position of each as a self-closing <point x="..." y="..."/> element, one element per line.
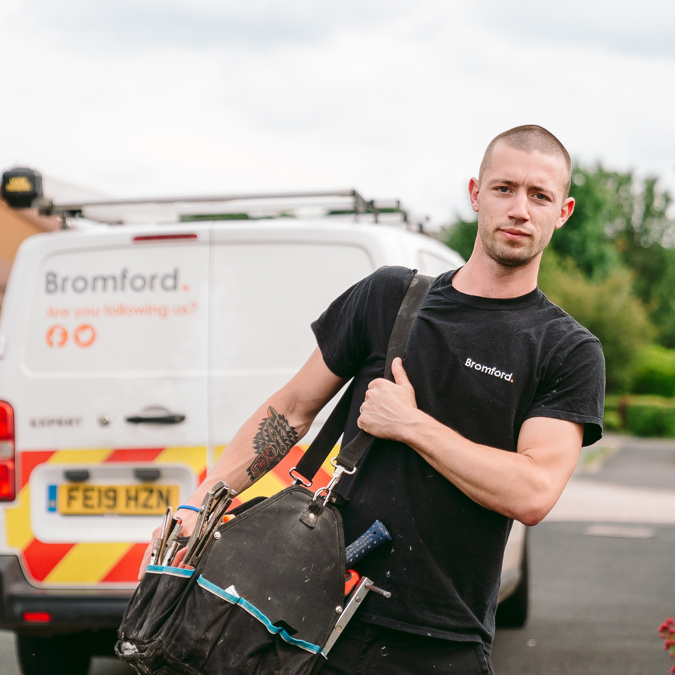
<point x="60" y="655"/>
<point x="512" y="612"/>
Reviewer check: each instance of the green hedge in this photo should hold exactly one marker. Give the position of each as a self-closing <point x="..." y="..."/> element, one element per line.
<point x="612" y="420"/>
<point x="648" y="416"/>
<point x="654" y="371"/>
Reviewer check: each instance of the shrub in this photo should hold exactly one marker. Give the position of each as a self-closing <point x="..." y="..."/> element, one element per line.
<point x="461" y="237"/>
<point x="612" y="420"/>
<point x="654" y="371"/>
<point x="607" y="308"/>
<point x="649" y="416"/>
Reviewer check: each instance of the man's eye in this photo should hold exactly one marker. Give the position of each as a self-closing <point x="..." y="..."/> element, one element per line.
<point x="503" y="188"/>
<point x="542" y="197"/>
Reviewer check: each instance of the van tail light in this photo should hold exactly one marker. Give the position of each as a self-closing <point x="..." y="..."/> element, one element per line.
<point x="7" y="463"/>
<point x="37" y="617"/>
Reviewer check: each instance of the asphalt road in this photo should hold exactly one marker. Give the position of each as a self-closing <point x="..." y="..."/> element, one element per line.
<point x="601" y="571"/>
<point x="602" y="565"/>
<point x="597" y="602"/>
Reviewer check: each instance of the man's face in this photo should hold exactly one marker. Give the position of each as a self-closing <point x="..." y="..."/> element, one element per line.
<point x="520" y="202"/>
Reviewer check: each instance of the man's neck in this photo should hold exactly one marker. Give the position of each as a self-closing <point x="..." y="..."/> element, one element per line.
<point x="488" y="279"/>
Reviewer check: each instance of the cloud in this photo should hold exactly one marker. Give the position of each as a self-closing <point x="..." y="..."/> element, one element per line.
<point x="397" y="100"/>
<point x="617" y="26"/>
<point x="143" y="25"/>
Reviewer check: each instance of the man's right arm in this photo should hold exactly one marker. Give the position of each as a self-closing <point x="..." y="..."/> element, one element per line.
<point x="268" y="435"/>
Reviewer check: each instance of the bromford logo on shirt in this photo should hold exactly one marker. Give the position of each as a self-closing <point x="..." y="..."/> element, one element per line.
<point x="111" y="283"/>
<point x="494" y="371"/>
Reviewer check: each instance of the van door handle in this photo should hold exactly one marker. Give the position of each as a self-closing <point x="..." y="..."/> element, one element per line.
<point x="155" y="415"/>
<point x="161" y="419"/>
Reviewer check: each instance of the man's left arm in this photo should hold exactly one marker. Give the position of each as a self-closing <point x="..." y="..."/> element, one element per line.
<point x="524" y="485"/>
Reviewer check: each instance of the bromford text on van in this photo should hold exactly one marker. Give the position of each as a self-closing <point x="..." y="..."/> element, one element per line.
<point x="129" y="357"/>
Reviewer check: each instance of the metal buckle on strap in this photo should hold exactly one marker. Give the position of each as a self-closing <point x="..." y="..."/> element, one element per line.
<point x="299" y="480"/>
<point x="337" y="474"/>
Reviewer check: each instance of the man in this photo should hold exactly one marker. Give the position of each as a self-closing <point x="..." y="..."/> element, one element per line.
<point x="496" y="394"/>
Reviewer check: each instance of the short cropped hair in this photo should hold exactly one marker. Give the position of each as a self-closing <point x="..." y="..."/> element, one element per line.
<point x="530" y="137"/>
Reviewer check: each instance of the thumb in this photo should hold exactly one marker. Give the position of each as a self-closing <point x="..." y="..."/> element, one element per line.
<point x="398" y="371"/>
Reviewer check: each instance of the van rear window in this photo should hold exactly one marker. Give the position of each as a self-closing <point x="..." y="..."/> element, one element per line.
<point x="265" y="297"/>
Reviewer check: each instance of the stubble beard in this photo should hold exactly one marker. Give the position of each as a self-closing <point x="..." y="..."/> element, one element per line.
<point x="511" y="256"/>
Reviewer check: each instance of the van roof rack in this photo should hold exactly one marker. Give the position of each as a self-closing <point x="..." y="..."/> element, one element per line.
<point x="244" y="206"/>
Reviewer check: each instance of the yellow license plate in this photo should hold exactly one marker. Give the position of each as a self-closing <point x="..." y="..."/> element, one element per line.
<point x="81" y="499"/>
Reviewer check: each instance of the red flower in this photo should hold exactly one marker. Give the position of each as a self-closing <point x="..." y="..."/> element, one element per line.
<point x="667" y="634"/>
<point x="666" y="625"/>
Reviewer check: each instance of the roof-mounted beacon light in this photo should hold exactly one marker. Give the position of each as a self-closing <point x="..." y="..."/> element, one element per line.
<point x="21" y="187"/>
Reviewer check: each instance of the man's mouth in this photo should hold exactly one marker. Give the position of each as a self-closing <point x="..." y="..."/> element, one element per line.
<point x="513" y="234"/>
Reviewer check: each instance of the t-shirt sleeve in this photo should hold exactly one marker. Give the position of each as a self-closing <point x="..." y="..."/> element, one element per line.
<point x="575" y="389"/>
<point x="359" y="320"/>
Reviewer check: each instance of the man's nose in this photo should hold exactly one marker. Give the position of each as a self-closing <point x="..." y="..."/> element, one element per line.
<point x="519" y="206"/>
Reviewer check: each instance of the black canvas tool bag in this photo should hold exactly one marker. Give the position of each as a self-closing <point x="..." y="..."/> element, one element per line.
<point x="269" y="588"/>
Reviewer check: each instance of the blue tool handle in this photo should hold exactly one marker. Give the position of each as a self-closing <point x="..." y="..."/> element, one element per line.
<point x="373" y="537"/>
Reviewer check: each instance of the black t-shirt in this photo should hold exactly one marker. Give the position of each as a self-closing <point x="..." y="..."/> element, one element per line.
<point x="482" y="367"/>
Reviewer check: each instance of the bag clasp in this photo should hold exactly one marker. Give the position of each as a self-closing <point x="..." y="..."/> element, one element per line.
<point x="327" y="492"/>
<point x="299" y="479"/>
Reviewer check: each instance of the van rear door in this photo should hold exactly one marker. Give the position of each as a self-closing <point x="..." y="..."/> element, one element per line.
<point x="106" y="373"/>
<point x="268" y="285"/>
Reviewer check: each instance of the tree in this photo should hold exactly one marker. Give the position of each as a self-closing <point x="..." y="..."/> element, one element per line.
<point x="644" y="233"/>
<point x="461" y="237"/>
<point x="607" y="307"/>
<point x="654" y="269"/>
<point x="585" y="237"/>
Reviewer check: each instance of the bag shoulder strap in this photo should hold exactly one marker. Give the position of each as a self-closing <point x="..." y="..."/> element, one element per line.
<point x="332" y="429"/>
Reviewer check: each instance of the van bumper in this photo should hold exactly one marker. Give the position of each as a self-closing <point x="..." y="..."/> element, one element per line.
<point x="69" y="611"/>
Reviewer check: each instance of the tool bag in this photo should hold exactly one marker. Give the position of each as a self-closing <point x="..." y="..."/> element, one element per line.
<point x="267" y="596"/>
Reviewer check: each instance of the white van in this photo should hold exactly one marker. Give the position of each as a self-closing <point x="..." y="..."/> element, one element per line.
<point x="129" y="355"/>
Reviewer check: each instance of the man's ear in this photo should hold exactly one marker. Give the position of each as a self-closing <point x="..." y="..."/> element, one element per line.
<point x="565" y="212"/>
<point x="474" y="189"/>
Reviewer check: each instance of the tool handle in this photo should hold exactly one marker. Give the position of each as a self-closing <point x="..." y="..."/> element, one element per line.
<point x="373" y="537"/>
<point x="351" y="579"/>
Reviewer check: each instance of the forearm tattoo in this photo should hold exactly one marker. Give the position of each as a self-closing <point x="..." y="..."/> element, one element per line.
<point x="272" y="443"/>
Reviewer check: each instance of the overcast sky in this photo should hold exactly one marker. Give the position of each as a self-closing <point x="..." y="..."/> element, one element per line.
<point x="396" y="98"/>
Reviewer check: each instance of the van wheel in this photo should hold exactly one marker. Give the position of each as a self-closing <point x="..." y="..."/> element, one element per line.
<point x="61" y="655"/>
<point x="512" y="612"/>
